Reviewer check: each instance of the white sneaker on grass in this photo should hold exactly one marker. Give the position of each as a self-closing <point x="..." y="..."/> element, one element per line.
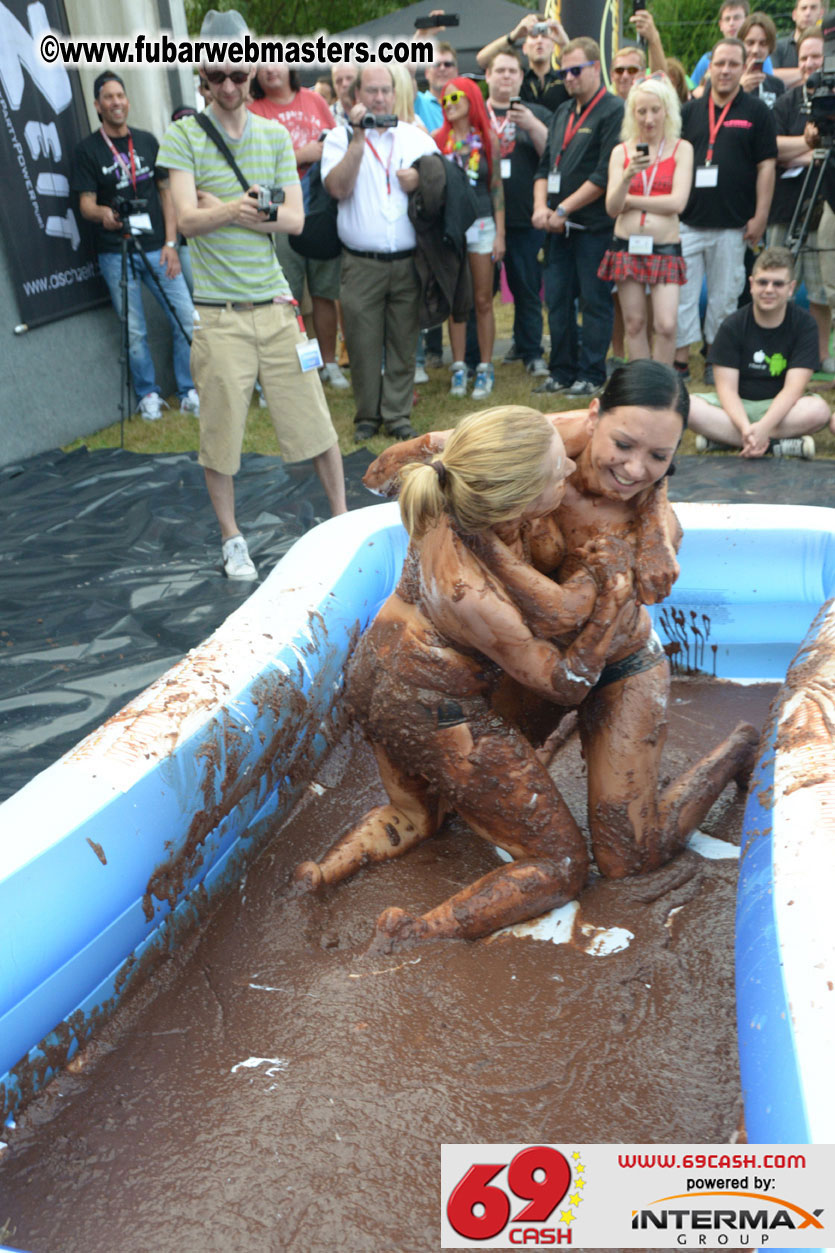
<point x="190" y="403"/>
<point x="458" y="383"/>
<point x="420" y="375"/>
<point x="332" y="376"/>
<point x="237" y="562"/>
<point x="150" y="407"/>
<point x="484" y="379"/>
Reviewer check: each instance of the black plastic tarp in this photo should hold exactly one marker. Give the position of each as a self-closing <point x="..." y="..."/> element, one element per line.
<point x="110" y="571"/>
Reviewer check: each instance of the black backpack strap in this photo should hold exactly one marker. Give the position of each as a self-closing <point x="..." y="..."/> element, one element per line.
<point x="221" y="144"/>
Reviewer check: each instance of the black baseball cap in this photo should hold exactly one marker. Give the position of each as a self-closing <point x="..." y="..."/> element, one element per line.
<point x="106" y="77"/>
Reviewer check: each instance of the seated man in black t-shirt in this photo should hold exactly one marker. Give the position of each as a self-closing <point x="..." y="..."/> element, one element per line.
<point x="763" y="358"/>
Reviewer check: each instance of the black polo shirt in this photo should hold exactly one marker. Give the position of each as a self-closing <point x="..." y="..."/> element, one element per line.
<point x="747" y="136"/>
<point x="784" y="56"/>
<point x="550" y="92"/>
<point x="586" y="158"/>
<point x="524" y="162"/>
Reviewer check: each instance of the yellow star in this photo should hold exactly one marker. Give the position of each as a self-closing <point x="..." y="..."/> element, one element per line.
<point x="575" y="1199"/>
<point x="579" y="1183"/>
<point x="580" y="1168"/>
<point x="566" y="1216"/>
<point x="576" y="1156"/>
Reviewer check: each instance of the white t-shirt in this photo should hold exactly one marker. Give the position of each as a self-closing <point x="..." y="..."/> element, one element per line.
<point x="374" y="218"/>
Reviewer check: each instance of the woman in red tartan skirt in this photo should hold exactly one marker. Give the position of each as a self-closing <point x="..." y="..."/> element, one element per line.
<point x="650" y="176"/>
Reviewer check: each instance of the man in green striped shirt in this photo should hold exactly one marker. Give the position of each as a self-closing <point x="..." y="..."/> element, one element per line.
<point x="246" y="325"/>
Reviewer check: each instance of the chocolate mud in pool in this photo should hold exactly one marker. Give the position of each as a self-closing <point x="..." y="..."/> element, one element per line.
<point x="275" y="1087"/>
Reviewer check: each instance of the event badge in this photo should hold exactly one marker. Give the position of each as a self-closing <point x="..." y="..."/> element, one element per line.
<point x="554" y="180"/>
<point x="707" y="176"/>
<point x="310" y="355"/>
<point x="140" y="224"/>
<point x="640" y="245"/>
<point x="505" y="165"/>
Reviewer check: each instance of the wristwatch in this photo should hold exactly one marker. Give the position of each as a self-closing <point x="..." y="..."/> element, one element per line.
<point x="171" y="243"/>
<point x="511" y="42"/>
<point x="561" y="211"/>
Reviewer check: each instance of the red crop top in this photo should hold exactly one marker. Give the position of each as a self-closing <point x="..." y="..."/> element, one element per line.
<point x="663" y="182"/>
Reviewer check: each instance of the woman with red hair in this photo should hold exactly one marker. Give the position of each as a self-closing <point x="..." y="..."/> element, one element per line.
<point x="467" y="138"/>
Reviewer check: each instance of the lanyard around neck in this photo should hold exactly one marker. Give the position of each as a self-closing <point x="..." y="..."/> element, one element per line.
<point x="128" y="165"/>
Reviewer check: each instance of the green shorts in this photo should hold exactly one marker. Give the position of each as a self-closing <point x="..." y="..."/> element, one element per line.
<point x="754" y="409"/>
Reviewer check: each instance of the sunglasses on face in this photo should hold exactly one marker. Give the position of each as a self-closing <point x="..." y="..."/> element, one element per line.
<point x="777" y="283"/>
<point x="445" y="65"/>
<point x="631" y="70"/>
<point x="574" y="70"/>
<point x="216" y="77"/>
<point x="452" y="97"/>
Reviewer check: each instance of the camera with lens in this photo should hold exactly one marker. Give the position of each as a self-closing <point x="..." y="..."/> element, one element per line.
<point x="540" y="28"/>
<point x="268" y="199"/>
<point x="820" y="88"/>
<point x="378" y="120"/>
<point x="126" y="207"/>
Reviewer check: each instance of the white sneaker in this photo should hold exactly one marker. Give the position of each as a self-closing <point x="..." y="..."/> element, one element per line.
<point x="538" y="368"/>
<point x="458" y="383"/>
<point x="237" y="562"/>
<point x="420" y="375"/>
<point x="150" y="407"/>
<point x="190" y="403"/>
<point x="801" y="446"/>
<point x="484" y="379"/>
<point x="331" y="374"/>
<point x="703" y="444"/>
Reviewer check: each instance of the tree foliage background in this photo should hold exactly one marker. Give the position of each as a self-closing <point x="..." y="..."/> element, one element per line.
<point x="688" y="27"/>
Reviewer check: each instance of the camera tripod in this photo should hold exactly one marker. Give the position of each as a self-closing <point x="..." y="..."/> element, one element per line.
<point x="804" y="209"/>
<point x="131" y="245"/>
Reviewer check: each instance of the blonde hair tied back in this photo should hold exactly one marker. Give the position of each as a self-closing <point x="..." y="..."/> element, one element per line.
<point x="493" y="467"/>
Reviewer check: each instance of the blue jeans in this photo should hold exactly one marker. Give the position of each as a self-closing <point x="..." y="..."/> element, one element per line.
<point x="571" y="274"/>
<point x="139" y="354"/>
<point x="524" y="278"/>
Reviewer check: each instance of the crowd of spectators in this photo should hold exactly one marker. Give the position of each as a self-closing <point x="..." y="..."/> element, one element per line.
<point x="620" y="193"/>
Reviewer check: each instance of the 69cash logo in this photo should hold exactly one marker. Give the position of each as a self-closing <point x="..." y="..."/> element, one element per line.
<point x="530" y="1200"/>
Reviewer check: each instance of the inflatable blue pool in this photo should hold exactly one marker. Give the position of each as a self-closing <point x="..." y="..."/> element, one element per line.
<point x="116" y="850"/>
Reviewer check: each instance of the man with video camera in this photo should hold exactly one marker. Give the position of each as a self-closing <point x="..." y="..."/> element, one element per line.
<point x="367" y="167"/>
<point x="246" y="322"/>
<point x="123" y="191"/>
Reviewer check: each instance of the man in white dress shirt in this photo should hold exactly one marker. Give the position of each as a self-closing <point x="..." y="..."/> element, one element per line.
<point x="369" y="171"/>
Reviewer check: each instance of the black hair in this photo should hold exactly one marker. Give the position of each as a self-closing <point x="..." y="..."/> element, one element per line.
<point x="650" y="384"/>
<point x="107" y="77"/>
<point x="257" y="92"/>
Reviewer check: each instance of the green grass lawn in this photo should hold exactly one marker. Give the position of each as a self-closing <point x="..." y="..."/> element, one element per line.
<point x="435" y="410"/>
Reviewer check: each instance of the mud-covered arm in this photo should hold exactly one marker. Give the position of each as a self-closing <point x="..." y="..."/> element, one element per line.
<point x="550" y="609"/>
<point x="478" y="613"/>
<point x="383" y="475"/>
<point x="658" y="536"/>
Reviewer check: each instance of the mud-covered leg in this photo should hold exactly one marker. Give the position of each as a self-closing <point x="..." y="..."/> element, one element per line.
<point x="386" y="831"/>
<point x="623" y="727"/>
<point x="503" y="792"/>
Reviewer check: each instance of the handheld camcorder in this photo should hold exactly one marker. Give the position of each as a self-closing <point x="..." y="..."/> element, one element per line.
<point x="540" y="28"/>
<point x="379" y="120"/>
<point x="820" y="87"/>
<point x="268" y="199"/>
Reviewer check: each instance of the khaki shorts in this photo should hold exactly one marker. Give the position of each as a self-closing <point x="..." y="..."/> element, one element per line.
<point x="230" y="350"/>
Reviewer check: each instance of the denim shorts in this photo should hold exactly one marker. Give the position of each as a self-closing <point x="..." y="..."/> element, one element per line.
<point x="481" y="236"/>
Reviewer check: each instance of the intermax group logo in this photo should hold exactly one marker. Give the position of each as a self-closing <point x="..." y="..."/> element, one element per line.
<point x="742" y="1218"/>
